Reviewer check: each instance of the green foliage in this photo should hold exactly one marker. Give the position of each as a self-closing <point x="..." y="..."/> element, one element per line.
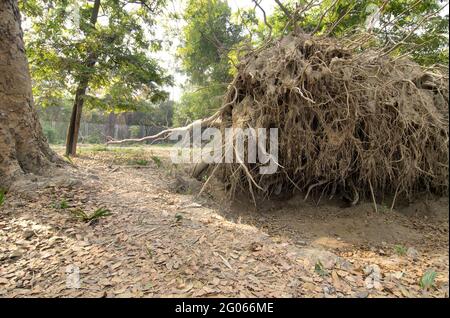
<point x="400" y="250"/>
<point x="427" y="44"/>
<point x="2" y="196"/>
<point x="198" y="104"/>
<point x="209" y="39"/>
<point x="53" y="115"/>
<point x="123" y="73"/>
<point x="50" y="110"/>
<point x="61" y="205"/>
<point x="319" y="269"/>
<point x="178" y="217"/>
<point x="99" y="148"/>
<point x="157" y="161"/>
<point x="50" y="134"/>
<point x="68" y="159"/>
<point x="427" y="280"/>
<point x="135" y="131"/>
<point x="135" y="158"/>
<point x="97" y="214"/>
<point x="94" y="139"/>
<point x="141" y="162"/>
<point x="150" y="115"/>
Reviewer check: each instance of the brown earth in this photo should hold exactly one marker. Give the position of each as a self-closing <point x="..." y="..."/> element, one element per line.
<point x="163" y="241"/>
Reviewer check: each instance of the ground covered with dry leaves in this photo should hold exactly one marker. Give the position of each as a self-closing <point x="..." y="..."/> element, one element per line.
<point x="161" y="240"/>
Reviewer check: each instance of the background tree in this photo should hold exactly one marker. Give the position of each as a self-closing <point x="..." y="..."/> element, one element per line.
<point x="209" y="37"/>
<point x="99" y="55"/>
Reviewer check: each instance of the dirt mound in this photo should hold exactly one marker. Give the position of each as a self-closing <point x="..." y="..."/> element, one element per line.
<point x="346" y="120"/>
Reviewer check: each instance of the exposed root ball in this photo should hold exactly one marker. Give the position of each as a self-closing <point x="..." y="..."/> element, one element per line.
<point x="347" y="120"/>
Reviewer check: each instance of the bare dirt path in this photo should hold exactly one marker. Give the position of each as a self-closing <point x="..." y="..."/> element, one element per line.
<point x="162" y="241"/>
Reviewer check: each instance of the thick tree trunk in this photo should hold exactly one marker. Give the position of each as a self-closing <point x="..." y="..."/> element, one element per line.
<point x="77" y="110"/>
<point x="23" y="147"/>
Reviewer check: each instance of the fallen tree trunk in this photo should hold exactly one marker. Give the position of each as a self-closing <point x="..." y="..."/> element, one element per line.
<point x="360" y="122"/>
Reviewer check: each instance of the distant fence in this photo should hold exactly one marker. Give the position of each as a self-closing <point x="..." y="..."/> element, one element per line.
<point x="95" y="133"/>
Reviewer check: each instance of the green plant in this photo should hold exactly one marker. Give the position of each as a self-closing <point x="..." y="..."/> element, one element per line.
<point x="2" y="196"/>
<point x="68" y="159"/>
<point x="319" y="269"/>
<point x="50" y="134"/>
<point x="157" y="161"/>
<point x="178" y="217"/>
<point x="99" y="213"/>
<point x="383" y="208"/>
<point x="427" y="280"/>
<point x="149" y="251"/>
<point x="99" y="148"/>
<point x="135" y="131"/>
<point x="63" y="204"/>
<point x="94" y="139"/>
<point x="141" y="162"/>
<point x="400" y="250"/>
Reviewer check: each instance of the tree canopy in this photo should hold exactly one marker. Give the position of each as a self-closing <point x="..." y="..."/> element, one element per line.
<point x="61" y="39"/>
<point x="209" y="38"/>
<point x="127" y="76"/>
<point x="418" y="25"/>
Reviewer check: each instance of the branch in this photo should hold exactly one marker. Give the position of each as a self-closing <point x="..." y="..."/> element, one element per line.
<point x="419" y="24"/>
<point x="284" y="9"/>
<point x="400" y="14"/>
<point x="323" y="15"/>
<point x="264" y="16"/>
<point x="340" y="19"/>
<point x="208" y="122"/>
<point x="299" y="10"/>
<point x="166" y="133"/>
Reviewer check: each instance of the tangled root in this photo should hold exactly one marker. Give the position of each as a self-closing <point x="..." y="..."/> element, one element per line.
<point x="346" y="119"/>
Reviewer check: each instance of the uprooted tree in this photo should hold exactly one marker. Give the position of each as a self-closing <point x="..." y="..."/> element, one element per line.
<point x="351" y="117"/>
<point x="346" y="119"/>
<point x="23" y="147"/>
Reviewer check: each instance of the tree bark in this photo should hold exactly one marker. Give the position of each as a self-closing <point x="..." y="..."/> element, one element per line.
<point x="109" y="132"/>
<point x="23" y="147"/>
<point x="75" y="118"/>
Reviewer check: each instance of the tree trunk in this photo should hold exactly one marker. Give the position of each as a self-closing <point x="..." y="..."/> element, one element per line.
<point x="109" y="131"/>
<point x="75" y="118"/>
<point x="23" y="147"/>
